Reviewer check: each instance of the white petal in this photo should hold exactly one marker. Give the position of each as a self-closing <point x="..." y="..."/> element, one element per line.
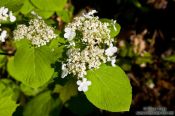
<point x="12" y="18"/>
<point x="66" y="35"/>
<point x="64" y="73"/>
<point x="85" y="88"/>
<point x="79" y="82"/>
<point x="67" y="29"/>
<point x="84" y="79"/>
<point x="80" y="88"/>
<point x="113" y="62"/>
<point x="88" y="83"/>
<point x="3" y="35"/>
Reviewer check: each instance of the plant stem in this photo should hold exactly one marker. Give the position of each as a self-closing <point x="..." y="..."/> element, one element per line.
<point x="7" y="54"/>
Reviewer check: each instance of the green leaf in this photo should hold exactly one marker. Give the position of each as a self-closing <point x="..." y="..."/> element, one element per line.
<point x="67" y="91"/>
<point x="44" y="14"/>
<point x="110" y="89"/>
<point x="49" y="5"/>
<point x="13" y="5"/>
<point x="27" y="7"/>
<point x="7" y="95"/>
<point x="170" y="58"/>
<point x="2" y="59"/>
<point x="7" y="106"/>
<point x="114" y="27"/>
<point x="8" y="88"/>
<point x="57" y="47"/>
<point x="43" y="105"/>
<point x="31" y="66"/>
<point x="30" y="91"/>
<point x="66" y="14"/>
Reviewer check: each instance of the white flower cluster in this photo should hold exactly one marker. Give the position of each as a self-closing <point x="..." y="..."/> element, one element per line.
<point x="3" y="34"/>
<point x="38" y="32"/>
<point x="98" y="47"/>
<point x="5" y="14"/>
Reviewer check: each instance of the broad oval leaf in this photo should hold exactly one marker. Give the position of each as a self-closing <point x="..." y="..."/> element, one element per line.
<point x="32" y="66"/>
<point x="110" y="89"/>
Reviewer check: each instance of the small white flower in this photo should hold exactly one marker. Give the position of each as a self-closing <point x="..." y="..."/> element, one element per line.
<point x="111" y="50"/>
<point x="83" y="84"/>
<point x="12" y="18"/>
<point x="69" y="33"/>
<point x="34" y="14"/>
<point x="113" y="60"/>
<point x="90" y="14"/>
<point x="3" y="13"/>
<point x="3" y="35"/>
<point x="6" y="14"/>
<point x="114" y="23"/>
<point x="64" y="71"/>
<point x="71" y="43"/>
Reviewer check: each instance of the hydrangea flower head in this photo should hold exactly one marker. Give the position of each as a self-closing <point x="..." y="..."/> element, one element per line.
<point x="91" y="47"/>
<point x="38" y="32"/>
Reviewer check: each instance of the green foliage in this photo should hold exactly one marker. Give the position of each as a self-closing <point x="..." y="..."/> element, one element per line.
<point x="66" y="14"/>
<point x="31" y="66"/>
<point x="7" y="106"/>
<point x="43" y="105"/>
<point x="57" y="47"/>
<point x="34" y="70"/>
<point x="27" y="7"/>
<point x="31" y="91"/>
<point x="7" y="97"/>
<point x="146" y="58"/>
<point x="110" y="89"/>
<point x="13" y="5"/>
<point x="2" y="60"/>
<point x="170" y="58"/>
<point x="49" y="5"/>
<point x="66" y="91"/>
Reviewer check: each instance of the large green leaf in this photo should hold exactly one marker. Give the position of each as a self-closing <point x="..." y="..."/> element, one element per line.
<point x="7" y="95"/>
<point x="44" y="14"/>
<point x="43" y="105"/>
<point x="7" y="106"/>
<point x="49" y="5"/>
<point x="27" y="7"/>
<point x="31" y="66"/>
<point x="13" y="5"/>
<point x="110" y="89"/>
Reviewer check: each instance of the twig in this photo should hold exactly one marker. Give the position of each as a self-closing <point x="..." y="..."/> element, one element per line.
<point x="7" y="54"/>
